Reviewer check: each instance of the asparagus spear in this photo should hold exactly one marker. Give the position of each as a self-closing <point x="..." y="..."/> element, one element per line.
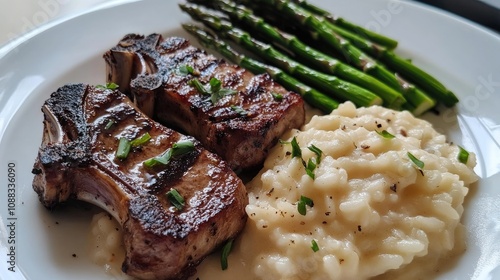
<point x="330" y="84"/>
<point x="417" y="99"/>
<point x="392" y="98"/>
<point x="398" y="64"/>
<point x="349" y="26"/>
<point x="313" y="97"/>
<point x="401" y="65"/>
<point x="340" y="28"/>
<point x="419" y="77"/>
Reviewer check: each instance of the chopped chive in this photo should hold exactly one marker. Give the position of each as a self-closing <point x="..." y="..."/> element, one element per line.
<point x="216" y="92"/>
<point x="384" y="133"/>
<point x="225" y="253"/>
<point x="176" y="199"/>
<point x="301" y="207"/>
<point x="182" y="147"/>
<point x="141" y="140"/>
<point x="219" y="93"/>
<point x="239" y="110"/>
<point x="307" y="200"/>
<point x="178" y="149"/>
<point x="123" y="148"/>
<point x="162" y="159"/>
<point x="296" y="151"/>
<point x="314" y="246"/>
<point x="311" y="166"/>
<point x="317" y="151"/>
<point x="111" y="86"/>
<point x="186" y="70"/>
<point x="125" y="145"/>
<point x="463" y="155"/>
<point x="283" y="142"/>
<point x="109" y="124"/>
<point x="199" y="86"/>
<point x="303" y="202"/>
<point x="277" y="96"/>
<point x="416" y="161"/>
<point x="215" y="84"/>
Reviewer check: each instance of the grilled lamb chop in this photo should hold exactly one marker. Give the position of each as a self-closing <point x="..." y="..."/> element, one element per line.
<point x="158" y="75"/>
<point x="78" y="160"/>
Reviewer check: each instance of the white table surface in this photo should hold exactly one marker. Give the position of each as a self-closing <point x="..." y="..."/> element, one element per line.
<point x="19" y="17"/>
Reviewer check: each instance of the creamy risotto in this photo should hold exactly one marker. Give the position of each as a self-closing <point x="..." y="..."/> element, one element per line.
<point x="106" y="244"/>
<point x="367" y="205"/>
<point x="374" y="209"/>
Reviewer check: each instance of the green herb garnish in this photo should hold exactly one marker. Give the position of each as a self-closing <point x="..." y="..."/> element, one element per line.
<point x="199" y="86"/>
<point x="463" y="155"/>
<point x="123" y="148"/>
<point x="303" y="202"/>
<point x="125" y="145"/>
<point x="111" y="86"/>
<point x="141" y="140"/>
<point x="296" y="151"/>
<point x="109" y="124"/>
<point x="314" y="246"/>
<point x="215" y="90"/>
<point x="176" y="199"/>
<point x="185" y="70"/>
<point x="317" y="151"/>
<point x="416" y="161"/>
<point x="225" y="253"/>
<point x="277" y="96"/>
<point x="182" y="147"/>
<point x="178" y="149"/>
<point x="239" y="110"/>
<point x="384" y="133"/>
<point x="283" y="142"/>
<point x="162" y="159"/>
<point x="310" y="167"/>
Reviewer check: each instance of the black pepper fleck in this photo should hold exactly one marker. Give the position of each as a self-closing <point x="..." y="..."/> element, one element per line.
<point x="270" y="192"/>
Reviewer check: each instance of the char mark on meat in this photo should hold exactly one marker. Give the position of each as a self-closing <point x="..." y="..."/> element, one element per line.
<point x="240" y="127"/>
<point x="77" y="160"/>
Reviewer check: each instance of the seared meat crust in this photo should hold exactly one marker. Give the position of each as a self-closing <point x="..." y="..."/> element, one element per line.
<point x="77" y="160"/>
<point x="240" y="127"/>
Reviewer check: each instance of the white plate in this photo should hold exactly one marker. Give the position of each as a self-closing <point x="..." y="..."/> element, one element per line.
<point x="462" y="55"/>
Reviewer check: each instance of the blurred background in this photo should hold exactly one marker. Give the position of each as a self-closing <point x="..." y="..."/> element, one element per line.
<point x="22" y="16"/>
